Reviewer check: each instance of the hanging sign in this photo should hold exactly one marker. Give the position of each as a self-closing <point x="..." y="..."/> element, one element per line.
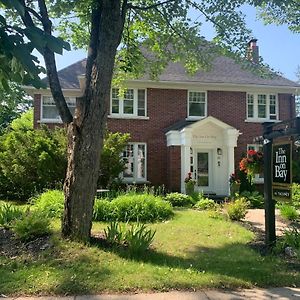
<point x="282" y="171"/>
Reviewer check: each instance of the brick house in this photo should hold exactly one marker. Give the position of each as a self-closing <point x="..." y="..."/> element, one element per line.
<point x="181" y="123"/>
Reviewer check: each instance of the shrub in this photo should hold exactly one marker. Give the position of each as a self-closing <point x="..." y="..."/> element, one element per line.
<point x="51" y="203"/>
<point x="9" y="214"/>
<point x="138" y="238"/>
<point x="133" y="207"/>
<point x="34" y="224"/>
<point x="103" y="210"/>
<point x="205" y="204"/>
<point x="288" y="212"/>
<point x="296" y="195"/>
<point x="178" y="199"/>
<point x="112" y="164"/>
<point x="255" y="199"/>
<point x="290" y="238"/>
<point x="114" y="233"/>
<point x="143" y="207"/>
<point x="30" y="160"/>
<point x="237" y="209"/>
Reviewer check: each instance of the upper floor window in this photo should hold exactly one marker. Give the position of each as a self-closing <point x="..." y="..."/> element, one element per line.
<point x="262" y="106"/>
<point x="197" y="104"/>
<point x="49" y="111"/>
<point x="134" y="156"/>
<point x="131" y="103"/>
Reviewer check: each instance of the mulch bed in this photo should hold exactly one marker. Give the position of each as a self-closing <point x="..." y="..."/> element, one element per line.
<point x="11" y="247"/>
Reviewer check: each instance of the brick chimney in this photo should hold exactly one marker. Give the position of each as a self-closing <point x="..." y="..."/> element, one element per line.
<point x="253" y="53"/>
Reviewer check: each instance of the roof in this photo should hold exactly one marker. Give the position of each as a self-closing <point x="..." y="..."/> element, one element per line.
<point x="224" y="70"/>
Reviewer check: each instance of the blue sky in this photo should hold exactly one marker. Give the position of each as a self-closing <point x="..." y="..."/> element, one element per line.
<point x="278" y="46"/>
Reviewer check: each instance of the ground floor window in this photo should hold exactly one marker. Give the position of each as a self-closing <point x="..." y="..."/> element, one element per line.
<point x="134" y="156"/>
<point x="258" y="178"/>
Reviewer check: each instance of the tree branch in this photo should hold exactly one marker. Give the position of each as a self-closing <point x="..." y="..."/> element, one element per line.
<point x="52" y="75"/>
<point x="129" y="5"/>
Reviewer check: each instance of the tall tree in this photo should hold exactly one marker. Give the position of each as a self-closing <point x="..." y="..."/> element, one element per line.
<point x="119" y="34"/>
<point x="13" y="102"/>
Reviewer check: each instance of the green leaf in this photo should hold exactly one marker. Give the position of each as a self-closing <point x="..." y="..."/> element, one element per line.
<point x="16" y="4"/>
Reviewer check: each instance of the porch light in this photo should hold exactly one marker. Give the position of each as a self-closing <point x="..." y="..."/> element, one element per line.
<point x="297" y="142"/>
<point x="219" y="151"/>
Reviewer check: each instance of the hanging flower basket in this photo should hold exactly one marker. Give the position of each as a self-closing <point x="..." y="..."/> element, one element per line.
<point x="252" y="164"/>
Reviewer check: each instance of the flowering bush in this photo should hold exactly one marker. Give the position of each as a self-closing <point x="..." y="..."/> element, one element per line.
<point x="253" y="163"/>
<point x="189" y="184"/>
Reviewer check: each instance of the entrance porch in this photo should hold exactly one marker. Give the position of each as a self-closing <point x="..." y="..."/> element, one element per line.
<point x="207" y="151"/>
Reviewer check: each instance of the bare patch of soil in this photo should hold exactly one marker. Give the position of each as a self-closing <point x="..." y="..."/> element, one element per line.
<point x="10" y="246"/>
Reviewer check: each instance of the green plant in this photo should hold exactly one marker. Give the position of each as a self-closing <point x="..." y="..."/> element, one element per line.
<point x="34" y="224"/>
<point x="237" y="209"/>
<point x="288" y="212"/>
<point x="103" y="210"/>
<point x="31" y="160"/>
<point x="178" y="199"/>
<point x="114" y="233"/>
<point x="205" y="204"/>
<point x="138" y="238"/>
<point x="9" y="214"/>
<point x="296" y="195"/>
<point x="132" y="207"/>
<point x="50" y="202"/>
<point x="255" y="199"/>
<point x="112" y="164"/>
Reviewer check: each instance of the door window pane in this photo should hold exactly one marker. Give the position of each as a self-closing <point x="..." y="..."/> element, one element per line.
<point x="203" y="171"/>
<point x="128" y="157"/>
<point x="141" y="162"/>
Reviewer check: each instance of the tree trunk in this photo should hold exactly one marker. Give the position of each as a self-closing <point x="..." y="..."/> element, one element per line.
<point x="85" y="133"/>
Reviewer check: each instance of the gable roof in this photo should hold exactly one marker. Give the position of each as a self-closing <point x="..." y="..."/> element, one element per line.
<point x="224" y="71"/>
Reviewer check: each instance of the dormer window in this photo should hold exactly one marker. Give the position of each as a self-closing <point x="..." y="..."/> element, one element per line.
<point x="261" y="107"/>
<point x="197" y="104"/>
<point x="130" y="103"/>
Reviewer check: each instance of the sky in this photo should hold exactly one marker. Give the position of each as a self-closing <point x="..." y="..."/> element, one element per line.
<point x="278" y="46"/>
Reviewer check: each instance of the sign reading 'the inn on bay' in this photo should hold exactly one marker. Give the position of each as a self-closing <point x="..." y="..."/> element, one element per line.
<point x="282" y="171"/>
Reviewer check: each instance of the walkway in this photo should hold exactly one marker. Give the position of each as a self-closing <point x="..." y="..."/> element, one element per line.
<point x="254" y="294"/>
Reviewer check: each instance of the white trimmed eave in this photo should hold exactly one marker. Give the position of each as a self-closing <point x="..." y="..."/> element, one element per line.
<point x="222" y="86"/>
<point x="31" y="91"/>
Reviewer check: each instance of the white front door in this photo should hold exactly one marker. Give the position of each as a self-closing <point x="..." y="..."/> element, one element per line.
<point x="203" y="171"/>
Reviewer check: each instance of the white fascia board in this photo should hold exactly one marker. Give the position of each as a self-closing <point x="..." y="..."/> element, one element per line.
<point x="47" y="92"/>
<point x="233" y="87"/>
<point x="173" y="138"/>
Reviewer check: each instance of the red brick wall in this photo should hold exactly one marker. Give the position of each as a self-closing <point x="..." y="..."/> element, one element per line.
<point x="167" y="106"/>
<point x="164" y="108"/>
<point x="36" y="110"/>
<point x="174" y="168"/>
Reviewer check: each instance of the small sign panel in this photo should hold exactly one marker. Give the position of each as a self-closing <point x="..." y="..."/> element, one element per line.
<point x="282" y="171"/>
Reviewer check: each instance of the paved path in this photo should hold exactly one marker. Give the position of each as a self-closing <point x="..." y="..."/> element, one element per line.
<point x="254" y="294"/>
<point x="256" y="217"/>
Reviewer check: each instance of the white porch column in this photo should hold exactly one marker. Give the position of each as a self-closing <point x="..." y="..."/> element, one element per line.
<point x="186" y="141"/>
<point x="232" y="135"/>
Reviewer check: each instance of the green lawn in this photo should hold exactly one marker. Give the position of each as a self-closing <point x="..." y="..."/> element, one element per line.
<point x="192" y="251"/>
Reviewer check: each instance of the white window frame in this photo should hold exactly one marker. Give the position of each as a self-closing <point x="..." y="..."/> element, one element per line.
<point x="51" y="120"/>
<point x="134" y="179"/>
<point x="121" y="113"/>
<point x="188" y="105"/>
<point x="255" y="117"/>
<point x="257" y="147"/>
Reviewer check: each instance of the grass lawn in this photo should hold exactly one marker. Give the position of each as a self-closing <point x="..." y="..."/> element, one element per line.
<point x="192" y="251"/>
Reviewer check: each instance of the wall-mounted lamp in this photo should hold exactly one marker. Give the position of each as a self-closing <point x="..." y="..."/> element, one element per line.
<point x="219" y="151"/>
<point x="297" y="142"/>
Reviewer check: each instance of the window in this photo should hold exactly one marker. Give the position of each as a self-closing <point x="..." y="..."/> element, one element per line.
<point x="262" y="107"/>
<point x="131" y="103"/>
<point x="134" y="156"/>
<point x="197" y="104"/>
<point x="49" y="110"/>
<point x="259" y="178"/>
